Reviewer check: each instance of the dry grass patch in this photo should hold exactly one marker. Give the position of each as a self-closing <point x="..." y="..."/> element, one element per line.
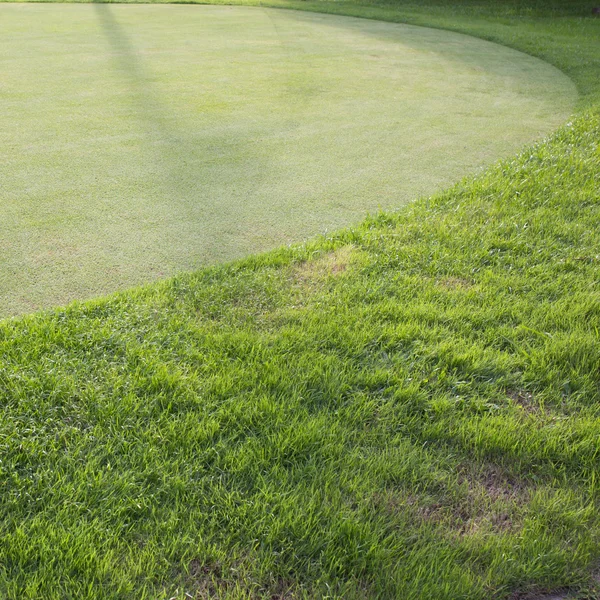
<point x="526" y="401"/>
<point x="455" y="283"/>
<point x="543" y="595"/>
<point x="213" y="581"/>
<point x="313" y="273"/>
<point x="488" y="500"/>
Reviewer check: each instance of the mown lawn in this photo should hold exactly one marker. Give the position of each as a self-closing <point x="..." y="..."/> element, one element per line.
<point x="406" y="409"/>
<point x="138" y="142"/>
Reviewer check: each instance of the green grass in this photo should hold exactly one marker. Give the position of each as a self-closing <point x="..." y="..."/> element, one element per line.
<point x="143" y="141"/>
<point x="406" y="409"/>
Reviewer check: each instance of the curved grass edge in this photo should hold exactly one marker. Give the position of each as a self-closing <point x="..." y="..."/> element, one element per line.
<point x="53" y="272"/>
<point x="511" y="26"/>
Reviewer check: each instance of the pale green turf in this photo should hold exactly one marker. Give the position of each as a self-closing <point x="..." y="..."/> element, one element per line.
<point x="139" y="141"/>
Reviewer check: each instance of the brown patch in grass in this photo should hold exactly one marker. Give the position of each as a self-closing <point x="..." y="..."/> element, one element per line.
<point x="499" y="484"/>
<point x="325" y="266"/>
<point x="455" y="283"/>
<point x="282" y="590"/>
<point x="206" y="581"/>
<point x="562" y="594"/>
<point x="489" y="500"/>
<point x="594" y="591"/>
<point x="493" y="500"/>
<point x="525" y="400"/>
<point x="392" y="501"/>
<point x="210" y="581"/>
<point x="197" y="568"/>
<point x="596" y="574"/>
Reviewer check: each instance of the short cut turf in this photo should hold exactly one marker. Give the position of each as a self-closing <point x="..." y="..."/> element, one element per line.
<point x="142" y="141"/>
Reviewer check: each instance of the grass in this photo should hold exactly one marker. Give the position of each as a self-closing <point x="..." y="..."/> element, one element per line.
<point x="406" y="409"/>
<point x="131" y="153"/>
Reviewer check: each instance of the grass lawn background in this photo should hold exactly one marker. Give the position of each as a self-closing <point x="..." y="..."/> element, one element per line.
<point x="142" y="141"/>
<point x="406" y="409"/>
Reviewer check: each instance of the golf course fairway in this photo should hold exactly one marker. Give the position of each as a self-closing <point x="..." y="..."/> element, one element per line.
<point x="140" y="141"/>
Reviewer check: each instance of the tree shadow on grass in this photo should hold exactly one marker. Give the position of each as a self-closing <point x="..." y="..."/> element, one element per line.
<point x="180" y="197"/>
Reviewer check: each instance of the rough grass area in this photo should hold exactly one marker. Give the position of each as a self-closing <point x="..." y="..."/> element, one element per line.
<point x="138" y="142"/>
<point x="406" y="409"/>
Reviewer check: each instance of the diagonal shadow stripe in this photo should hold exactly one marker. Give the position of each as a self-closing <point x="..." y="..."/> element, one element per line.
<point x="168" y="147"/>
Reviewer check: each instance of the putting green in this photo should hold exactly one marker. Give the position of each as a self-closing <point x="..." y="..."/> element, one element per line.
<point x="139" y="141"/>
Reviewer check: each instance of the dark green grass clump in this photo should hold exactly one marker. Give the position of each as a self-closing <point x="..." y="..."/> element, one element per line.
<point x="408" y="409"/>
